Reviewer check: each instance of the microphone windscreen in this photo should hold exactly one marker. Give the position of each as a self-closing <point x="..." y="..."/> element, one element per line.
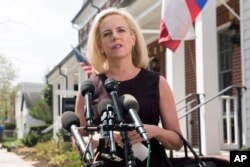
<point x="87" y="86"/>
<point x="69" y="118"/>
<point x="111" y="85"/>
<point x="102" y="106"/>
<point x="129" y="102"/>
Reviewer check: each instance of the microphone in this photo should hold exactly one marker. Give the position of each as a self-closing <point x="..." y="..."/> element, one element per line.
<point x="87" y="90"/>
<point x="131" y="107"/>
<point x="103" y="113"/>
<point x="105" y="110"/>
<point x="111" y="86"/>
<point x="71" y="122"/>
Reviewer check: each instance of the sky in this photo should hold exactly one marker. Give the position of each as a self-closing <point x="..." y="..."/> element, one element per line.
<point x="35" y="35"/>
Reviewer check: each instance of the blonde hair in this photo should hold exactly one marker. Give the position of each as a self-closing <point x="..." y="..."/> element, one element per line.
<point x="97" y="59"/>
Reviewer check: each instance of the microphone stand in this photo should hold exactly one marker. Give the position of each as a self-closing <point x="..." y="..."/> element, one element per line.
<point x="123" y="128"/>
<point x="129" y="154"/>
<point x="89" y="148"/>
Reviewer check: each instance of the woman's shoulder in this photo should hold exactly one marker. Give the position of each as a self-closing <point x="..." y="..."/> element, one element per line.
<point x="97" y="78"/>
<point x="149" y="74"/>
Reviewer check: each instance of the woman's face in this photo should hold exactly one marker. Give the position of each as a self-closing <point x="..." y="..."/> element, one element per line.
<point x="116" y="38"/>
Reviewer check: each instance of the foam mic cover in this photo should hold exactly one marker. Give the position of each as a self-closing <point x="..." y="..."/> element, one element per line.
<point x="129" y="102"/>
<point x="131" y="107"/>
<point x="102" y="106"/>
<point x="111" y="85"/>
<point x="69" y="118"/>
<point x="87" y="87"/>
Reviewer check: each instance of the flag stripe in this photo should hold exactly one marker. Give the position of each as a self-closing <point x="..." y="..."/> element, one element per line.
<point x="195" y="6"/>
<point x="84" y="64"/>
<point x="201" y="3"/>
<point x="177" y="18"/>
<point x="165" y="39"/>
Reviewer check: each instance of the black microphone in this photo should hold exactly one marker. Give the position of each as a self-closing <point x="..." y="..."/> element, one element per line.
<point x="103" y="113"/>
<point x="71" y="123"/>
<point x="87" y="90"/>
<point x="111" y="86"/>
<point x="131" y="107"/>
<point x="105" y="110"/>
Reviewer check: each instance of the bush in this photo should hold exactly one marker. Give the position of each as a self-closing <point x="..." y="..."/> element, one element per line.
<point x="57" y="154"/>
<point x="31" y="139"/>
<point x="11" y="143"/>
<point x="42" y="136"/>
<point x="38" y="129"/>
<point x="45" y="137"/>
<point x="9" y="126"/>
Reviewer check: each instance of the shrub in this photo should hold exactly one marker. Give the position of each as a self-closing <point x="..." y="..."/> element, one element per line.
<point x="11" y="143"/>
<point x="57" y="154"/>
<point x="9" y="126"/>
<point x="31" y="139"/>
<point x="42" y="136"/>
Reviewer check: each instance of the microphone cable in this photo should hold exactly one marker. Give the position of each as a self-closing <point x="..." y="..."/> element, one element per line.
<point x="149" y="154"/>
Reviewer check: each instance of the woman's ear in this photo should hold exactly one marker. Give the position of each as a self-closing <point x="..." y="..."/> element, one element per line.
<point x="100" y="47"/>
<point x="133" y="39"/>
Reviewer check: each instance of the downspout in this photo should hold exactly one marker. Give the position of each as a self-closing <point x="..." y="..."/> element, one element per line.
<point x="65" y="76"/>
<point x="52" y="103"/>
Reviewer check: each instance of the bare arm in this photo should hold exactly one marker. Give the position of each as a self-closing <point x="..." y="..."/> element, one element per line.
<point x="79" y="110"/>
<point x="166" y="135"/>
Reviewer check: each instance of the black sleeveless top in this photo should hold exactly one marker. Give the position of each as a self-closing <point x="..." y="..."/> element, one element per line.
<point x="145" y="88"/>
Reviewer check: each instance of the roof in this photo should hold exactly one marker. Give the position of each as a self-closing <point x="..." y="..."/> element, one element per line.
<point x="30" y="87"/>
<point x="31" y="93"/>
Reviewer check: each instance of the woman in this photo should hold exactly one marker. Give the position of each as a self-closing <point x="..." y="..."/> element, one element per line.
<point x="117" y="50"/>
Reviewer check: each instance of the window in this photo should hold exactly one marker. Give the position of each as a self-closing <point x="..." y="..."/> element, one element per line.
<point x="225" y="59"/>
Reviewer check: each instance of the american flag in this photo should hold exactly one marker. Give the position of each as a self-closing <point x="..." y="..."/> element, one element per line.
<point x="85" y="65"/>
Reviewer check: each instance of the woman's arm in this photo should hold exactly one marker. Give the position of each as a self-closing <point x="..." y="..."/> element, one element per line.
<point x="166" y="135"/>
<point x="79" y="110"/>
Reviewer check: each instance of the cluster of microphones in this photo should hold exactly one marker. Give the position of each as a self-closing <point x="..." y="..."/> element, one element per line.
<point x="112" y="112"/>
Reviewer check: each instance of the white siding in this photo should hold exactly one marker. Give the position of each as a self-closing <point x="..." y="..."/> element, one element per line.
<point x="246" y="62"/>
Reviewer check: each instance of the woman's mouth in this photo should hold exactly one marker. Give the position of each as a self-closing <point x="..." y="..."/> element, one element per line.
<point x="117" y="46"/>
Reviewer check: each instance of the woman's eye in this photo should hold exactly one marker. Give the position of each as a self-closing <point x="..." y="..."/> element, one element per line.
<point x="121" y="30"/>
<point x="106" y="34"/>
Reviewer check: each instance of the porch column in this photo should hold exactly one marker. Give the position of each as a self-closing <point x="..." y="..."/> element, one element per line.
<point x="207" y="77"/>
<point x="175" y="72"/>
<point x="245" y="58"/>
<point x="55" y="108"/>
<point x="70" y="81"/>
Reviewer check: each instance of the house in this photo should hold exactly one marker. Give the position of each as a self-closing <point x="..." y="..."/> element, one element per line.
<point x="209" y="75"/>
<point x="27" y="96"/>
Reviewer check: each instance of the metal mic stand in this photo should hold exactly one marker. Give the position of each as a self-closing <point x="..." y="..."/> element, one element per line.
<point x="123" y="128"/>
<point x="129" y="154"/>
<point x="89" y="162"/>
<point x="89" y="149"/>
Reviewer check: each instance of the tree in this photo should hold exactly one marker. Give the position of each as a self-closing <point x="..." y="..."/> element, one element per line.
<point x="42" y="110"/>
<point x="7" y="76"/>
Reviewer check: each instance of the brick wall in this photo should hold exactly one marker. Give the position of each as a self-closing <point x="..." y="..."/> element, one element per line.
<point x="157" y="51"/>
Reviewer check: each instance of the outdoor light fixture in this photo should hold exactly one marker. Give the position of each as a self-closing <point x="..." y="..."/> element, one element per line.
<point x="235" y="33"/>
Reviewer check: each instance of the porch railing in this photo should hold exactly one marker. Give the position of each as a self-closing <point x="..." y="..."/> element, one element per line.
<point x="238" y="116"/>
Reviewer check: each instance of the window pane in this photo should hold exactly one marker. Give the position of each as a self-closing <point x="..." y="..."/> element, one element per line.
<point x="225" y="59"/>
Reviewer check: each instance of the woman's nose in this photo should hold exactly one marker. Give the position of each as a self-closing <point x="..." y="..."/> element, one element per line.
<point x="115" y="36"/>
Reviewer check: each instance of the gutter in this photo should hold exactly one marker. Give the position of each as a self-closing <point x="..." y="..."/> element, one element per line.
<point x="65" y="76"/>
